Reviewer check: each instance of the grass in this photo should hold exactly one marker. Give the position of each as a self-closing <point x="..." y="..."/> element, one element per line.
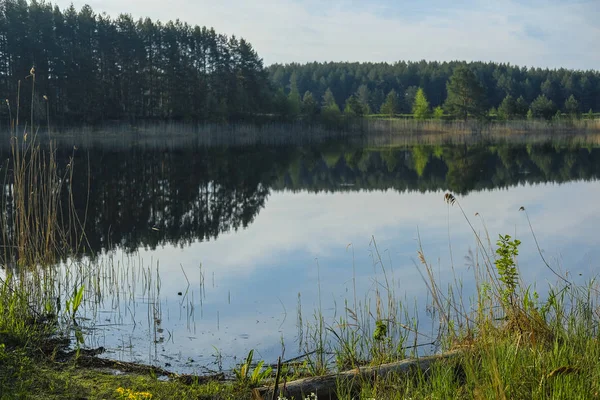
<point x="513" y="344"/>
<point x="30" y="378"/>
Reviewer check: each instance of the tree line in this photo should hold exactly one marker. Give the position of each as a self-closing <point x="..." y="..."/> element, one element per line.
<point x="82" y="66"/>
<point x="433" y="90"/>
<point x="90" y="67"/>
<point x="139" y="196"/>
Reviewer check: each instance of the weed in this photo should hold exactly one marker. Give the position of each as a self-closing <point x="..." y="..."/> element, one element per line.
<point x="507" y="269"/>
<point x="128" y="394"/>
<point x="246" y="375"/>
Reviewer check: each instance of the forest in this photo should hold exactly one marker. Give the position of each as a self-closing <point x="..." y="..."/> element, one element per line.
<point x="432" y="89"/>
<point x="94" y="68"/>
<point x="87" y="67"/>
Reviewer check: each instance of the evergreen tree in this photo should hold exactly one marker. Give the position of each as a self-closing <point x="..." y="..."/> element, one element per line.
<point x="572" y="106"/>
<point x="363" y="94"/>
<point x="529" y="114"/>
<point x="93" y="67"/>
<point x="330" y="111"/>
<point x="420" y="106"/>
<point x="438" y="113"/>
<point x="465" y="94"/>
<point x="354" y="108"/>
<point x="542" y="107"/>
<point x="329" y="100"/>
<point x="508" y="108"/>
<point x="409" y="98"/>
<point x="281" y="104"/>
<point x="521" y="107"/>
<point x="309" y="106"/>
<point x="390" y="106"/>
<point x="295" y="103"/>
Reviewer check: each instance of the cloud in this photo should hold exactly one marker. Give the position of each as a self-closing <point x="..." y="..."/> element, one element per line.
<point x="252" y="278"/>
<point x="308" y="30"/>
<point x="296" y="229"/>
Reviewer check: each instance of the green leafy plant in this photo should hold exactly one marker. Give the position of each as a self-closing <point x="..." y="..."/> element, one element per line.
<point x="507" y="269"/>
<point x="74" y="302"/>
<point x="72" y="305"/>
<point x="245" y="375"/>
<point x="380" y="332"/>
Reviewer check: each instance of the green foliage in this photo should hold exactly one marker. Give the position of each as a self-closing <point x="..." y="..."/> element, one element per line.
<point x="281" y="104"/>
<point x="529" y="114"/>
<point x="390" y="106"/>
<point x="309" y="106"/>
<point x="95" y="68"/>
<point x="542" y="107"/>
<point x="409" y="98"/>
<point x="438" y="113"/>
<point x="572" y="106"/>
<point x="295" y="103"/>
<point x="466" y="95"/>
<point x="380" y="332"/>
<point x="420" y="106"/>
<point x="329" y="100"/>
<point x="508" y="108"/>
<point x="507" y="252"/>
<point x="253" y="377"/>
<point x="73" y="303"/>
<point x="363" y="94"/>
<point x="521" y="107"/>
<point x="354" y="108"/>
<point x="330" y="111"/>
<point x="557" y="116"/>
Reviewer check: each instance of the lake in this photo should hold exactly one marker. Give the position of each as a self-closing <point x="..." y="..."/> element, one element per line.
<point x="193" y="255"/>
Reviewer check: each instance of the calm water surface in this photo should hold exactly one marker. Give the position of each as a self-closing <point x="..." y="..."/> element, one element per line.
<point x="199" y="255"/>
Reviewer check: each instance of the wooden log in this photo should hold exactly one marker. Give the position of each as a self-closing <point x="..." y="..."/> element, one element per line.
<point x="325" y="386"/>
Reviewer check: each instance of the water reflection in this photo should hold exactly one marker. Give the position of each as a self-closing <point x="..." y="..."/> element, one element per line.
<point x="138" y="197"/>
<point x="213" y="249"/>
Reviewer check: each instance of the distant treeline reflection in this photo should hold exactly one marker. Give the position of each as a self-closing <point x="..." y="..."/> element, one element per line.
<point x="146" y="198"/>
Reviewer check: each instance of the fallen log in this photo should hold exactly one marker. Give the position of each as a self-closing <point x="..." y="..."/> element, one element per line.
<point x="325" y="386"/>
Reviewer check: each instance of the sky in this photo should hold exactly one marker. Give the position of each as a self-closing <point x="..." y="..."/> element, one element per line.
<point x="539" y="33"/>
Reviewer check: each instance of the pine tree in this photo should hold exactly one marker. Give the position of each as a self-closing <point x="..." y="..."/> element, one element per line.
<point x="330" y="111"/>
<point x="363" y="94"/>
<point x="390" y="106"/>
<point x="508" y="108"/>
<point x="465" y="94"/>
<point x="309" y="106"/>
<point x="521" y="107"/>
<point x="542" y="107"/>
<point x="572" y="106"/>
<point x="354" y="108"/>
<point x="295" y="103"/>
